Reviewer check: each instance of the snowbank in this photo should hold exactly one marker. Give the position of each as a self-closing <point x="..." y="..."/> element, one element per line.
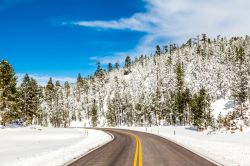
<point x="227" y="149"/>
<point x="47" y="146"/>
<point x="84" y="123"/>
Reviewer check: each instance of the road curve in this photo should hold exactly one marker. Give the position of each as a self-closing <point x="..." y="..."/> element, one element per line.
<point x="124" y="150"/>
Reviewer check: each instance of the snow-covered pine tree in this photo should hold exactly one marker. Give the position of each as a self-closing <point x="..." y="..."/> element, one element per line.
<point x="128" y="63"/>
<point x="110" y="67"/>
<point x="67" y="93"/>
<point x="117" y="66"/>
<point x="200" y="107"/>
<point x="66" y="108"/>
<point x="50" y="101"/>
<point x="240" y="84"/>
<point x="29" y="99"/>
<point x="111" y="113"/>
<point x="94" y="114"/>
<point x="58" y="106"/>
<point x="8" y="94"/>
<point x="180" y="102"/>
<point x="158" y="50"/>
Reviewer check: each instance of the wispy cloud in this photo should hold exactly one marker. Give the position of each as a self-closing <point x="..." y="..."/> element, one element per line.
<point x="134" y="23"/>
<point x="179" y="20"/>
<point x="43" y="79"/>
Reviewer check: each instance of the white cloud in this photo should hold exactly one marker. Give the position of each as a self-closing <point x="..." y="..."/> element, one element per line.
<point x="43" y="79"/>
<point x="135" y="23"/>
<point x="181" y="19"/>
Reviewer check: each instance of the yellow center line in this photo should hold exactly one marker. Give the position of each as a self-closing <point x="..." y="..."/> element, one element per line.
<point x="140" y="153"/>
<point x="136" y="152"/>
<point x="138" y="149"/>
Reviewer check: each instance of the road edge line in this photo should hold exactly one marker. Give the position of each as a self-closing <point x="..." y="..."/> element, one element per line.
<point x="193" y="151"/>
<point x="91" y="150"/>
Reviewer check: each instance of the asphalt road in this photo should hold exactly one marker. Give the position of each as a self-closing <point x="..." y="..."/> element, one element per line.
<point x="132" y="148"/>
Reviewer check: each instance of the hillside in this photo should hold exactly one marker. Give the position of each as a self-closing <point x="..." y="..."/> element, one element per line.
<point x="177" y="85"/>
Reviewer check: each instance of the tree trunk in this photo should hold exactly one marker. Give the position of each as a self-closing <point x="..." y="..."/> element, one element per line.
<point x="241" y="110"/>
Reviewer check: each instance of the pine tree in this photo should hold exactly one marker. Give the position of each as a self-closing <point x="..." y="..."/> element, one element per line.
<point x="59" y="106"/>
<point x="50" y="91"/>
<point x="165" y="49"/>
<point x="200" y="109"/>
<point x="128" y="64"/>
<point x="187" y="112"/>
<point x="24" y="99"/>
<point x="66" y="114"/>
<point x="220" y="121"/>
<point x="110" y="67"/>
<point x="155" y="107"/>
<point x="180" y="95"/>
<point x="79" y="80"/>
<point x="111" y="113"/>
<point x="99" y="73"/>
<point x="79" y="84"/>
<point x="117" y="66"/>
<point x="73" y="116"/>
<point x="8" y="94"/>
<point x="116" y="101"/>
<point x="29" y="99"/>
<point x="67" y="93"/>
<point x="127" y="108"/>
<point x="204" y="38"/>
<point x="67" y="89"/>
<point x="240" y="85"/>
<point x="158" y="50"/>
<point x="50" y="100"/>
<point x="189" y="43"/>
<point x="94" y="114"/>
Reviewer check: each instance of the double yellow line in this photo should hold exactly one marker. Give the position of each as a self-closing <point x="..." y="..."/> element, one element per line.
<point x="138" y="149"/>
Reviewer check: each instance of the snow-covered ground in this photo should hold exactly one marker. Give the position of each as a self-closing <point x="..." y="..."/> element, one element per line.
<point x="31" y="146"/>
<point x="222" y="106"/>
<point x="227" y="149"/>
<point x="84" y="123"/>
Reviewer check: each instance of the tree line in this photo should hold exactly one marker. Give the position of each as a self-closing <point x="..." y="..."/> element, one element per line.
<point x="174" y="86"/>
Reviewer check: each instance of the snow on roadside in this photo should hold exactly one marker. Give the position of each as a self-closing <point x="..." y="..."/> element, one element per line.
<point x="48" y="146"/>
<point x="84" y="123"/>
<point x="227" y="149"/>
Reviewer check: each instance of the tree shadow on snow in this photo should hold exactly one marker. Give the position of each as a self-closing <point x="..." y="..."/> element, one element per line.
<point x="229" y="105"/>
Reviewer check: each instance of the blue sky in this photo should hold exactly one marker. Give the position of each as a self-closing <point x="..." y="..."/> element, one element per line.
<point x="35" y="41"/>
<point x="61" y="38"/>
